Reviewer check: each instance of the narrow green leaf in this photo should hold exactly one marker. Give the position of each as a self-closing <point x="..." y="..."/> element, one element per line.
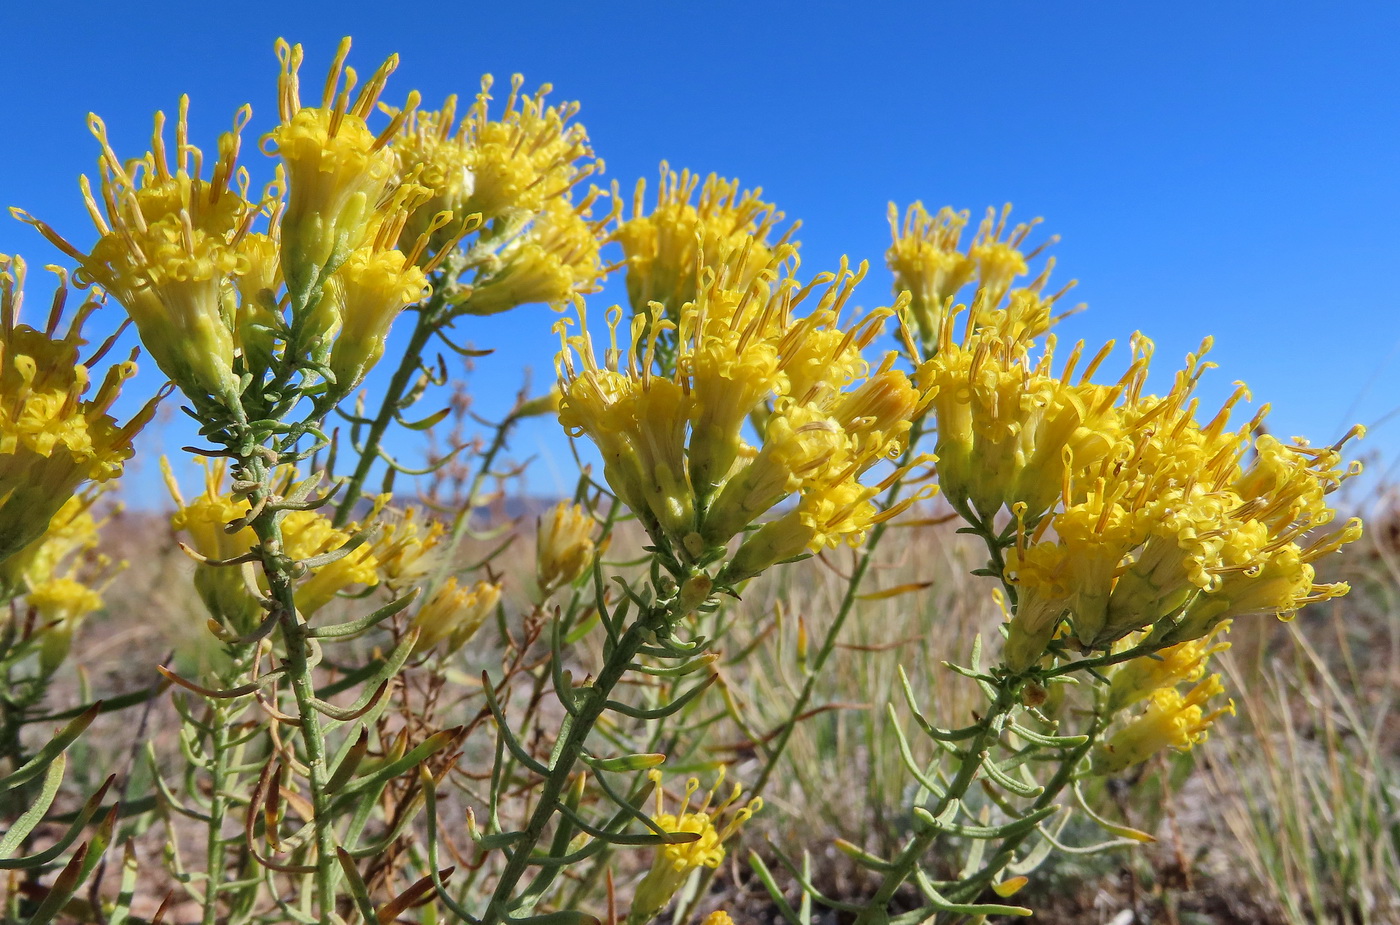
<point x="21" y="827"/>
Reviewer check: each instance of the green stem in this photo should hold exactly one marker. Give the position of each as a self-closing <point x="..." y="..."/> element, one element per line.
<point x="277" y="567"/>
<point x="903" y="867"/>
<point x="426" y="326"/>
<point x="969" y="888"/>
<point x="576" y="728"/>
<point x="215" y="859"/>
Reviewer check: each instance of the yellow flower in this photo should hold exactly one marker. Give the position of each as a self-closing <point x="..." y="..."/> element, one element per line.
<point x="258" y="321"/>
<point x="71" y="532"/>
<point x="1008" y="425"/>
<point x="508" y="168"/>
<point x="306" y="534"/>
<point x="1169" y="525"/>
<point x="673" y="863"/>
<point x="53" y="435"/>
<point x="168" y="246"/>
<point x="998" y="256"/>
<point x="564" y="546"/>
<point x="205" y="519"/>
<point x="338" y="170"/>
<point x="405" y="550"/>
<point x="1171" y="720"/>
<point x="1139" y="678"/>
<point x="718" y="917"/>
<point x="527" y="157"/>
<point x="798" y="440"/>
<point x="553" y="261"/>
<point x="453" y="615"/>
<point x="639" y="424"/>
<point x="369" y="290"/>
<point x="62" y="603"/>
<point x="672" y="435"/>
<point x="665" y="251"/>
<point x="927" y="263"/>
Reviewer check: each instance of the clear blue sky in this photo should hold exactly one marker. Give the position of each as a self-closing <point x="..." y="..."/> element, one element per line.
<point x="1221" y="168"/>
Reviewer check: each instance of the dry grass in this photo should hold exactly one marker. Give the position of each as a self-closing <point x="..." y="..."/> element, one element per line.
<point x="1291" y="813"/>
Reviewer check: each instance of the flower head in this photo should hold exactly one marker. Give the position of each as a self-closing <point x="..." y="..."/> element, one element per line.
<point x="368" y="290"/>
<point x="1168" y="522"/>
<point x="711" y="823"/>
<point x="1171" y="720"/>
<point x="54" y="436"/>
<point x="674" y="435"/>
<point x="927" y="262"/>
<point x="206" y="520"/>
<point x="1185" y="662"/>
<point x="505" y="169"/>
<point x="667" y="250"/>
<point x="552" y="261"/>
<point x="564" y="546"/>
<point x="452" y="616"/>
<point x="406" y="549"/>
<point x="71" y="532"/>
<point x="306" y="534"/>
<point x="62" y="603"/>
<point x="338" y="169"/>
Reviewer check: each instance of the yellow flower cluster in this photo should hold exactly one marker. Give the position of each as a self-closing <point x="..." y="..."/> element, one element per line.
<point x="1139" y="678"/>
<point x="554" y="260"/>
<point x="928" y="263"/>
<point x="338" y="169"/>
<point x="506" y="170"/>
<point x="54" y="436"/>
<point x="511" y="178"/>
<point x="405" y="549"/>
<point x="1132" y="513"/>
<point x="564" y="546"/>
<point x="56" y="572"/>
<point x="453" y="614"/>
<point x="61" y="603"/>
<point x="71" y="533"/>
<point x="714" y="824"/>
<point x="674" y="442"/>
<point x="181" y="255"/>
<point x="1171" y="719"/>
<point x="666" y="251"/>
<point x="305" y="534"/>
<point x="168" y="244"/>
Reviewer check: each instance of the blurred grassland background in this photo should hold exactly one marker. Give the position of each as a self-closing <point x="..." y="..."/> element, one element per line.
<point x="1289" y="813"/>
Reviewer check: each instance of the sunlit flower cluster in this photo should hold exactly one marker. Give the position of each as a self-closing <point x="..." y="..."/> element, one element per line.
<point x="1131" y="513"/>
<point x="186" y="258"/>
<point x="1161" y="701"/>
<point x="229" y="595"/>
<point x="667" y="250"/>
<point x="929" y="263"/>
<point x="453" y="614"/>
<point x="54" y="435"/>
<point x="564" y="545"/>
<point x="1171" y="719"/>
<point x="511" y="179"/>
<point x="506" y="169"/>
<point x="675" y="444"/>
<point x="713" y="823"/>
